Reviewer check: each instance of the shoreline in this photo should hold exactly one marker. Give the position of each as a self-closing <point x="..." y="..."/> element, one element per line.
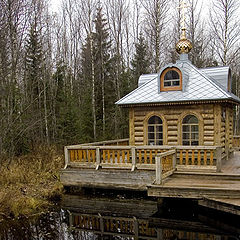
<point x="30" y="184"/>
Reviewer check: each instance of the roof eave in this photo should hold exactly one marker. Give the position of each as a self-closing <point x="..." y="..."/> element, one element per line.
<point x="185" y="102"/>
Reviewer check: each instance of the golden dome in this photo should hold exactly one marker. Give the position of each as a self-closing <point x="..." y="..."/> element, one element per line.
<point x="183" y="46"/>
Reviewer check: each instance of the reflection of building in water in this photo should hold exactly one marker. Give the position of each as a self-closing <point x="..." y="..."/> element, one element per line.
<point x="132" y="228"/>
<point x="144" y="218"/>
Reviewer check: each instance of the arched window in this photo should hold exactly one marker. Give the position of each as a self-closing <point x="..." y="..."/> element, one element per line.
<point x="171" y="79"/>
<point x="190" y="130"/>
<point x="155" y="131"/>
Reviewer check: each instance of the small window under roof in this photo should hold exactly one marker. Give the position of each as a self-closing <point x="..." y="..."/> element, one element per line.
<point x="171" y="79"/>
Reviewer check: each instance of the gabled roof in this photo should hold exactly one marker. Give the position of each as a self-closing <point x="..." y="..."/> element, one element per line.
<point x="197" y="86"/>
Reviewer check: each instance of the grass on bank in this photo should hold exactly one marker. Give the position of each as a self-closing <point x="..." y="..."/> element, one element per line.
<point x="28" y="183"/>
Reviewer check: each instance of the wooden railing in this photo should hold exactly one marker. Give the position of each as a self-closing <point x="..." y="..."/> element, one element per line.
<point x="118" y="142"/>
<point x="165" y="165"/>
<point x="198" y="157"/>
<point x="236" y="141"/>
<point x="121" y="226"/>
<point x="142" y="157"/>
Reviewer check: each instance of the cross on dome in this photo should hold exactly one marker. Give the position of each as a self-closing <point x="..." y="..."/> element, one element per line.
<point x="183" y="45"/>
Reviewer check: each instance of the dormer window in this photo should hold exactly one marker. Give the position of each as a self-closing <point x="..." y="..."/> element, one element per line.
<point x="171" y="79"/>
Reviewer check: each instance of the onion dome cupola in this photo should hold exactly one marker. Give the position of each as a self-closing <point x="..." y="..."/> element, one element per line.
<point x="183" y="46"/>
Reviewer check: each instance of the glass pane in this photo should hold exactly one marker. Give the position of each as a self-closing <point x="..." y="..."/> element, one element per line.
<point x="194" y="136"/>
<point x="194" y="128"/>
<point x="150" y="128"/>
<point x="159" y="128"/>
<point x="159" y="136"/>
<point x="175" y="83"/>
<point x="186" y="128"/>
<point x="186" y="143"/>
<point x="154" y="120"/>
<point x="190" y="119"/>
<point x="159" y="142"/>
<point x="150" y="136"/>
<point x="171" y="75"/>
<point x="151" y="142"/>
<point x="167" y="84"/>
<point x="194" y="143"/>
<point x="186" y="136"/>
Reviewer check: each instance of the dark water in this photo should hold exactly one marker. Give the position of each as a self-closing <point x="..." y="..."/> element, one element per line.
<point x="117" y="216"/>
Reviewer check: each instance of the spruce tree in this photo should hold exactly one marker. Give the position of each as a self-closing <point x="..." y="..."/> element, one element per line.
<point x="141" y="60"/>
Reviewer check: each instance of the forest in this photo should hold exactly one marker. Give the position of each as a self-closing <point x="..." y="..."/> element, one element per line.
<point x="61" y="73"/>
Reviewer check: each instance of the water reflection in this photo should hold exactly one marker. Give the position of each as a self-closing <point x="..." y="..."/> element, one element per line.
<point x="89" y="217"/>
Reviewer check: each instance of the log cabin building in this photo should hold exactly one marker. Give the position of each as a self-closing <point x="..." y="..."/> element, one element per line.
<point x="182" y="105"/>
<point x="180" y="133"/>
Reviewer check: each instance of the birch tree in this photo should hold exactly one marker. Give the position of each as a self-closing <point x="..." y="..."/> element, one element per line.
<point x="224" y="19"/>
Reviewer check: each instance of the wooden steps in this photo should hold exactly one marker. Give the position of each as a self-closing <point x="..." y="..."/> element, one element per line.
<point x="198" y="186"/>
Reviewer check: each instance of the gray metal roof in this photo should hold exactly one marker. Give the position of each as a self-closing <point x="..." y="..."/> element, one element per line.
<point x="197" y="86"/>
<point x="145" y="78"/>
<point x="218" y="74"/>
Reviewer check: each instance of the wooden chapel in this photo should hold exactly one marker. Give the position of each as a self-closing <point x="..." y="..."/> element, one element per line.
<point x="182" y="105"/>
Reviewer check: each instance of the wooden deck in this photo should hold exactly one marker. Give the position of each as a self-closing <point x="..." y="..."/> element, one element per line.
<point x="163" y="171"/>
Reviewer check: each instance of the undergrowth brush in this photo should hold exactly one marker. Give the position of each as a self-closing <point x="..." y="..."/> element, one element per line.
<point x="29" y="182"/>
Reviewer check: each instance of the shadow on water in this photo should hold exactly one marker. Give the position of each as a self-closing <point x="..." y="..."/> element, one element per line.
<point x="119" y="215"/>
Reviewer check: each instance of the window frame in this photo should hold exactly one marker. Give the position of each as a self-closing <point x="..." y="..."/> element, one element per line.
<point x="170" y="88"/>
<point x="190" y="131"/>
<point x="155" y="132"/>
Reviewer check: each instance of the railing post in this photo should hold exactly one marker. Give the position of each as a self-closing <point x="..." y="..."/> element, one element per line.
<point x="101" y="224"/>
<point x="66" y="156"/>
<point x="219" y="158"/>
<point x="135" y="228"/>
<point x="174" y="159"/>
<point x="98" y="161"/>
<point x="133" y="153"/>
<point x="158" y="170"/>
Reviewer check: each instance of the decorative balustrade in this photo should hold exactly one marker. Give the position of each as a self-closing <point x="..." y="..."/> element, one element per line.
<point x="143" y="157"/>
<point x="199" y="157"/>
<point x="122" y="226"/>
<point x="236" y="142"/>
<point x="165" y="165"/>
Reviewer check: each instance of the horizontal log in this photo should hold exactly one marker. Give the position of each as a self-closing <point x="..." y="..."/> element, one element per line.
<point x="172" y="123"/>
<point x="172" y="133"/>
<point x="138" y="134"/>
<point x="208" y="133"/>
<point x="138" y="129"/>
<point x="208" y="122"/>
<point x="208" y="127"/>
<point x="139" y="118"/>
<point x="172" y="138"/>
<point x="173" y="128"/>
<point x="208" y="138"/>
<point x="138" y="139"/>
<point x="207" y="116"/>
<point x="138" y="124"/>
<point x="172" y="117"/>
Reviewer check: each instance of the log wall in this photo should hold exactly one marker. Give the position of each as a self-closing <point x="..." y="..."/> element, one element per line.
<point x="212" y="125"/>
